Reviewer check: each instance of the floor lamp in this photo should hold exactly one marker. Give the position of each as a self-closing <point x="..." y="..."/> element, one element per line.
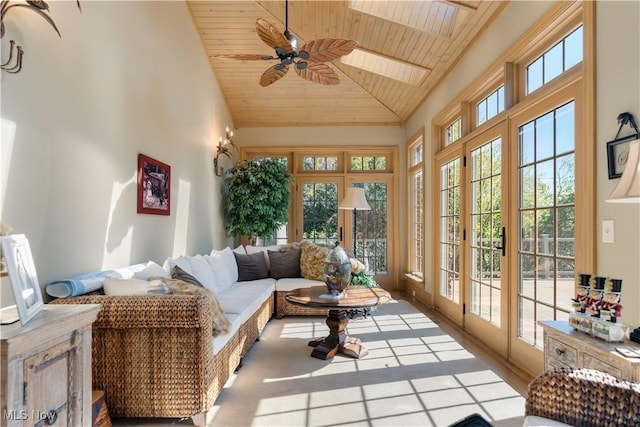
<point x="356" y="200"/>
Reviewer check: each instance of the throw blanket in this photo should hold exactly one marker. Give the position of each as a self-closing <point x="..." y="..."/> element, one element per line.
<point x="221" y="325"/>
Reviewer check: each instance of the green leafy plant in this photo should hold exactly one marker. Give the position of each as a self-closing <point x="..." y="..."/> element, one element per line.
<point x="363" y="279"/>
<point x="257" y="198"/>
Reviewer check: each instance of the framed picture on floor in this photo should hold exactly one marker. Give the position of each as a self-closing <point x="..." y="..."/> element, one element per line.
<point x="154" y="186"/>
<point x="22" y="275"/>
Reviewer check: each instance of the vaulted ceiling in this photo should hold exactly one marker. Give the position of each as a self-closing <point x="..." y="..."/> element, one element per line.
<point x="404" y="49"/>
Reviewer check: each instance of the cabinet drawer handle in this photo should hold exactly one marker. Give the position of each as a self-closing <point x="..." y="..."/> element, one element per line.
<point x="559" y="351"/>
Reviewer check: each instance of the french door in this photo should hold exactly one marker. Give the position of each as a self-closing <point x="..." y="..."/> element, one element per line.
<point x="485" y="291"/>
<point x="472" y="237"/>
<point x="318" y="219"/>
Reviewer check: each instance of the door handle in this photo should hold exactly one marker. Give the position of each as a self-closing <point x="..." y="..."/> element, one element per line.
<point x="503" y="242"/>
<point x="340" y="234"/>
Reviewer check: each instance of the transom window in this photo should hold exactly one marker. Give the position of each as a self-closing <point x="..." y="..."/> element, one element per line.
<point x="490" y="106"/>
<point x="320" y="163"/>
<point x="453" y="132"/>
<point x="368" y="163"/>
<point x="555" y="61"/>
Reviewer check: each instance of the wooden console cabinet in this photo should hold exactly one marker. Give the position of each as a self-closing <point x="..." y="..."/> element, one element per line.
<point x="564" y="346"/>
<point x="46" y="368"/>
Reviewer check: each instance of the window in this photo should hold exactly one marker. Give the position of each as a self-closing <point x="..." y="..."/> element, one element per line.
<point x="546" y="252"/>
<point x="490" y="106"/>
<point x="450" y="230"/>
<point x="453" y="132"/>
<point x="320" y="163"/>
<point x="416" y="200"/>
<point x="369" y="163"/>
<point x="564" y="55"/>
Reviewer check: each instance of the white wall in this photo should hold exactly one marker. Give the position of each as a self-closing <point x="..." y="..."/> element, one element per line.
<point x="125" y="78"/>
<point x="618" y="90"/>
<point x="343" y="136"/>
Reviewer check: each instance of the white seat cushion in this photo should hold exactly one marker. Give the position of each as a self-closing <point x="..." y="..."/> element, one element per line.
<point x="245" y="298"/>
<point x="289" y="284"/>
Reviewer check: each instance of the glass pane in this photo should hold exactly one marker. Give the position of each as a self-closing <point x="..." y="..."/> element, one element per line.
<point x="475" y="297"/>
<point x="527" y="286"/>
<point x="527" y="187"/>
<point x="565" y="129"/>
<point x="553" y="63"/>
<point x="416" y="157"/>
<point x="545" y="137"/>
<point x="566" y="180"/>
<point x="545" y="284"/>
<point x="495" y="306"/>
<point x="534" y="75"/>
<point x="527" y="143"/>
<point x="320" y="212"/>
<point x="573" y="48"/>
<point x="371" y="229"/>
<point x="546" y="226"/>
<point x="545" y="172"/>
<point x="566" y="231"/>
<point x="492" y="105"/>
<point x="526" y="321"/>
<point x="528" y="227"/>
<point x="482" y="111"/>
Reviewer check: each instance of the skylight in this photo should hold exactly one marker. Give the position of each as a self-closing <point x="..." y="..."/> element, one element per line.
<point x="437" y="17"/>
<point x="386" y="66"/>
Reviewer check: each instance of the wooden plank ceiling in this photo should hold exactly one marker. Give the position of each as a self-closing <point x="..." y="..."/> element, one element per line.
<point x="409" y="44"/>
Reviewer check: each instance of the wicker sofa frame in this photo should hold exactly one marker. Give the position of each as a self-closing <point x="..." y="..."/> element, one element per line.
<point x="584" y="397"/>
<point x="283" y="308"/>
<point x="153" y="355"/>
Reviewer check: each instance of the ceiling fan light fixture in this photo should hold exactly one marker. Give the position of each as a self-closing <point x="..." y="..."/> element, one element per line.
<point x="292" y="39"/>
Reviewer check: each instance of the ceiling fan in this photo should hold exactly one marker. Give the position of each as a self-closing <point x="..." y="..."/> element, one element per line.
<point x="308" y="61"/>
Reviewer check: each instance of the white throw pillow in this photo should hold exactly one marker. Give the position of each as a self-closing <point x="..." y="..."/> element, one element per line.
<point x="115" y="286"/>
<point x="201" y="270"/>
<point x="151" y="269"/>
<point x="224" y="267"/>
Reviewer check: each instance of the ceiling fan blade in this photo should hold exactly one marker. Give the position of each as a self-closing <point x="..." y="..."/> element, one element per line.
<point x="273" y="74"/>
<point x="272" y="36"/>
<point x="318" y="72"/>
<point x="325" y="50"/>
<point x="245" y="57"/>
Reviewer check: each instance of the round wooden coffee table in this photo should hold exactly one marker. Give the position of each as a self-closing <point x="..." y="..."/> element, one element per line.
<point x="337" y="341"/>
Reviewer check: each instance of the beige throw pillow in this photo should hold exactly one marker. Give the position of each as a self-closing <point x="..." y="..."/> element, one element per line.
<point x="312" y="257"/>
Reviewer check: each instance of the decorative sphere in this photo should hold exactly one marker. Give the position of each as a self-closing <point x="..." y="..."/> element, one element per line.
<point x="337" y="270"/>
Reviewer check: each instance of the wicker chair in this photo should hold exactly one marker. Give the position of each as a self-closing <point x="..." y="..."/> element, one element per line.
<point x="584" y="397"/>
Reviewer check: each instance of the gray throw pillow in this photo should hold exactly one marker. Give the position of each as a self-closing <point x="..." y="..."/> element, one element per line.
<point x="180" y="274"/>
<point x="251" y="267"/>
<point x="285" y="264"/>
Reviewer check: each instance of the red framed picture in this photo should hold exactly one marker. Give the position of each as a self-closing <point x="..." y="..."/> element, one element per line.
<point x="154" y="186"/>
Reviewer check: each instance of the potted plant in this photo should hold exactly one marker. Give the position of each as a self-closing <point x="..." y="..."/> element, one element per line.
<point x="257" y="198"/>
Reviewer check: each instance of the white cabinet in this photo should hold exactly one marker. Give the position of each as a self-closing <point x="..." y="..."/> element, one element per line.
<point x="46" y="367"/>
<point x="564" y="346"/>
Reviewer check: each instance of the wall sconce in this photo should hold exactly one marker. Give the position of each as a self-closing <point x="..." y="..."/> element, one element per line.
<point x="628" y="189"/>
<point x="14" y="65"/>
<point x="224" y="145"/>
